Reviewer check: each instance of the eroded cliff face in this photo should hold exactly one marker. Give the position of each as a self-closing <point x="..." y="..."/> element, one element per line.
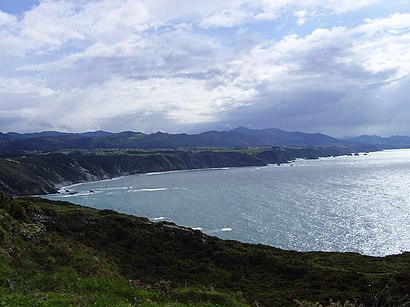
<point x="42" y="174"/>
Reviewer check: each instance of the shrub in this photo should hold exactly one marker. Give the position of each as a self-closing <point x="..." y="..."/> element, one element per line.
<point x="5" y="201"/>
<point x="18" y="211"/>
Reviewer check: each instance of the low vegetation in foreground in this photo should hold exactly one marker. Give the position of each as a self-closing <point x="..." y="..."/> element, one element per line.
<point x="57" y="253"/>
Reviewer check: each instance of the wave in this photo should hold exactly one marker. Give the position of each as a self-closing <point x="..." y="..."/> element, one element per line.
<point x="88" y="182"/>
<point x="115" y="188"/>
<point x="217" y="168"/>
<point x="155" y="189"/>
<point x="257" y="168"/>
<point x="188" y="170"/>
<point x="159" y="218"/>
<point x="164" y="172"/>
<point x="75" y="194"/>
<point x="148" y="190"/>
<point x="225" y="229"/>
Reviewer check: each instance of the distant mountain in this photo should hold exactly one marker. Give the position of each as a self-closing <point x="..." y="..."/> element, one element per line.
<point x="268" y="137"/>
<point x="99" y="133"/>
<point x="34" y="135"/>
<point x="238" y="137"/>
<point x="396" y="141"/>
<point x="47" y="134"/>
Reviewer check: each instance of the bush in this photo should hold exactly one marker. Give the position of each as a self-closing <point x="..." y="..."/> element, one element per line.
<point x="5" y="201"/>
<point x="15" y="209"/>
<point x="331" y="304"/>
<point x="18" y="212"/>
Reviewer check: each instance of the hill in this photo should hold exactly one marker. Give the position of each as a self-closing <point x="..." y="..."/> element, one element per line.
<point x="239" y="137"/>
<point x="12" y="143"/>
<point x="267" y="137"/>
<point x="56" y="253"/>
<point x="392" y="142"/>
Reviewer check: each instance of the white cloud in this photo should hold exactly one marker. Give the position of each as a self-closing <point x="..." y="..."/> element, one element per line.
<point x="251" y="11"/>
<point x="330" y="74"/>
<point x="53" y="24"/>
<point x="227" y="18"/>
<point x="301" y="16"/>
<point x="16" y="87"/>
<point x="339" y="6"/>
<point x="6" y="18"/>
<point x="384" y="45"/>
<point x="394" y="24"/>
<point x="149" y="65"/>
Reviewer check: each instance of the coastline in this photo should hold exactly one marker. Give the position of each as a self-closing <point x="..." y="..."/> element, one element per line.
<point x="68" y="185"/>
<point x="45" y="174"/>
<point x="164" y="201"/>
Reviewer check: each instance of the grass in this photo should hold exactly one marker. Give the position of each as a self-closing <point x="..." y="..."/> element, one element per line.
<point x="57" y="253"/>
<point x="249" y="150"/>
<point x="54" y="270"/>
<point x="65" y="287"/>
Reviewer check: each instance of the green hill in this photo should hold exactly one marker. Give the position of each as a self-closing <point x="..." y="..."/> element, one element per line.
<point x="239" y="137"/>
<point x="57" y="253"/>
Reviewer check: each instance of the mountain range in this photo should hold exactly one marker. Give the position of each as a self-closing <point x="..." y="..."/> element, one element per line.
<point x="238" y="137"/>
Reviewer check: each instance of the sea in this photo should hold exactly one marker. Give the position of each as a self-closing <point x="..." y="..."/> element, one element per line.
<point x="355" y="204"/>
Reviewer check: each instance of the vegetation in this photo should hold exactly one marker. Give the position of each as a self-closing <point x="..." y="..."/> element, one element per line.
<point x="49" y="141"/>
<point x="40" y="173"/>
<point x="57" y="253"/>
<point x="41" y="267"/>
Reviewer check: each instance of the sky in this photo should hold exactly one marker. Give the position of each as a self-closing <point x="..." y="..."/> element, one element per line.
<point x="340" y="67"/>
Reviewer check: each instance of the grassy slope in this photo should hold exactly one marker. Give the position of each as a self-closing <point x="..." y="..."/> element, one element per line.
<point x="57" y="253"/>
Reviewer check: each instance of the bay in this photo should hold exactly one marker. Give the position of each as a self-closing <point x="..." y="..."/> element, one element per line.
<point x="342" y="204"/>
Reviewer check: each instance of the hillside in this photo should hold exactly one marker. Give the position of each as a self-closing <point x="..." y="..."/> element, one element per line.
<point x="48" y="141"/>
<point x="239" y="137"/>
<point x="44" y="173"/>
<point x="56" y="253"/>
<point x="268" y="137"/>
<point x="392" y="142"/>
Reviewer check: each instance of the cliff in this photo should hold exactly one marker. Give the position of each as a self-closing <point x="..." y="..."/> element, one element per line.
<point x="36" y="174"/>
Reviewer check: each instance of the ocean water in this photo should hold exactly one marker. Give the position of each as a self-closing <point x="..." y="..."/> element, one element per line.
<point x="345" y="204"/>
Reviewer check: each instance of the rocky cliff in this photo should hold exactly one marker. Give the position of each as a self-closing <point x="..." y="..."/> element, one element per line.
<point x="41" y="174"/>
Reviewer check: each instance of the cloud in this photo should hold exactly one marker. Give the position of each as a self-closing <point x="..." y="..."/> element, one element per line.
<point x="340" y="7"/>
<point x="327" y="78"/>
<point x="54" y="24"/>
<point x="384" y="47"/>
<point x="173" y="66"/>
<point x="6" y="18"/>
<point x="18" y="88"/>
<point x="227" y="18"/>
<point x="301" y="16"/>
<point x="250" y="11"/>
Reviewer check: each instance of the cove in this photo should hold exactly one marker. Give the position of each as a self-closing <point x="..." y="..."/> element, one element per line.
<point x="343" y="204"/>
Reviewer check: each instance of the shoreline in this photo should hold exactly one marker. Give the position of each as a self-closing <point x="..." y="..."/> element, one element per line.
<point x="45" y="174"/>
<point x="142" y="185"/>
<point x="289" y="162"/>
<point x="63" y="186"/>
